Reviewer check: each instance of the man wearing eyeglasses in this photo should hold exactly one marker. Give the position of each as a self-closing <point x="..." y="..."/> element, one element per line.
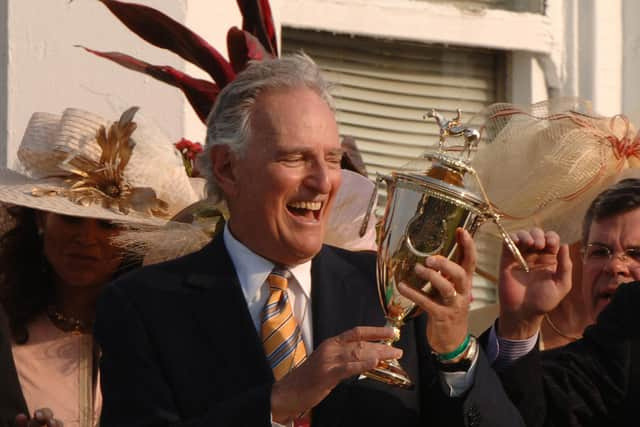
<point x="595" y="380"/>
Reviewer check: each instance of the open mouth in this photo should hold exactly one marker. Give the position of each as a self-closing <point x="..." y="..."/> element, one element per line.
<point x="309" y="211"/>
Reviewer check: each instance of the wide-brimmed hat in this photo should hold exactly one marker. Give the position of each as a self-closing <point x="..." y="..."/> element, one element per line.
<point x="80" y="164"/>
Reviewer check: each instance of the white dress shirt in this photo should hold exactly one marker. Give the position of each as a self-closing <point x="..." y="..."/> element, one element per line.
<point x="253" y="270"/>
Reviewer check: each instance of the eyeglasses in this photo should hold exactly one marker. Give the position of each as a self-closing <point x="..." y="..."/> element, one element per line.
<point x="599" y="253"/>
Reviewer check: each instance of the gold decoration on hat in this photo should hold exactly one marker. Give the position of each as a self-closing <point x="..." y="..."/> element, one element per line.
<point x="102" y="182"/>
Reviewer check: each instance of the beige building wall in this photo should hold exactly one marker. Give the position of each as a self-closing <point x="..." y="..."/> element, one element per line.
<point x="41" y="70"/>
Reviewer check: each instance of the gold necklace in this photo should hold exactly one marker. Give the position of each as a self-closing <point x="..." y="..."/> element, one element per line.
<point x="558" y="331"/>
<point x="67" y="323"/>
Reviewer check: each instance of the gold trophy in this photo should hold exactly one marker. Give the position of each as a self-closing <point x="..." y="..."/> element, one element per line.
<point x="422" y="213"/>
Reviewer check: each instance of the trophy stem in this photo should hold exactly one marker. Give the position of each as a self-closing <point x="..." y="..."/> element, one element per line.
<point x="390" y="371"/>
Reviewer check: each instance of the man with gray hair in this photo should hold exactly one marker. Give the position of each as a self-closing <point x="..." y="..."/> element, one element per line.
<point x="268" y="326"/>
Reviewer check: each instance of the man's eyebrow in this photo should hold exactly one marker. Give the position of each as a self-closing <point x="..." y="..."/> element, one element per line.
<point x="305" y="149"/>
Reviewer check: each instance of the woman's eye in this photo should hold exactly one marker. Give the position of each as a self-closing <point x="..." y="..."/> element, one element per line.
<point x="107" y="225"/>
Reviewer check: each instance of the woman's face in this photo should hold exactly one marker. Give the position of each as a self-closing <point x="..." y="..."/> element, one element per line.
<point x="79" y="249"/>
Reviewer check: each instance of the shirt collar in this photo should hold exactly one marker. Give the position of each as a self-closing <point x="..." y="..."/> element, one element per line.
<point x="253" y="270"/>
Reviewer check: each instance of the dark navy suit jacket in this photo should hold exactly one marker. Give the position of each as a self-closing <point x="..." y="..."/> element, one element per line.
<point x="179" y="348"/>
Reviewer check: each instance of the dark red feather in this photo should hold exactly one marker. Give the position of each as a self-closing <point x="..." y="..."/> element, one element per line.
<point x="244" y="47"/>
<point x="162" y="31"/>
<point x="200" y="93"/>
<point x="258" y="20"/>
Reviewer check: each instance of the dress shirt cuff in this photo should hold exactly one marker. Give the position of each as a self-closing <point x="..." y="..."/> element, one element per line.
<point x="502" y="352"/>
<point x="455" y="384"/>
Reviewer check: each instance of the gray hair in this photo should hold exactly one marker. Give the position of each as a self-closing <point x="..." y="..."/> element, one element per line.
<point x="616" y="200"/>
<point x="229" y="121"/>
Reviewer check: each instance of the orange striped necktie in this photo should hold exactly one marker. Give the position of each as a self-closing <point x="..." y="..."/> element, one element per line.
<point x="281" y="335"/>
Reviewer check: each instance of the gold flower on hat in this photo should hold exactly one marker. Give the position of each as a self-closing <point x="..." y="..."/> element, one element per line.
<point x="103" y="181"/>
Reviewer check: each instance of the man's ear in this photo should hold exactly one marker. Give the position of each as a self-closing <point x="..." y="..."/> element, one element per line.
<point x="222" y="160"/>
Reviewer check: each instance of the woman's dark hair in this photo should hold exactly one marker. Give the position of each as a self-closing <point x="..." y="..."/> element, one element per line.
<point x="26" y="279"/>
<point x="25" y="283"/>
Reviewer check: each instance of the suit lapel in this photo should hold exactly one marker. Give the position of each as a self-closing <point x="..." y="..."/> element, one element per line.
<point x="332" y="296"/>
<point x="221" y="311"/>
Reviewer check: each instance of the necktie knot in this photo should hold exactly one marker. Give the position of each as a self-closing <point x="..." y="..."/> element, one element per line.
<point x="279" y="278"/>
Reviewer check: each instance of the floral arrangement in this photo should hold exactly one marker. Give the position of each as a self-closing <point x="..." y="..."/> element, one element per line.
<point x="189" y="151"/>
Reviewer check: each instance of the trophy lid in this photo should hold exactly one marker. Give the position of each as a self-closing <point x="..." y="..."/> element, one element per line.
<point x="446" y="189"/>
<point x="447" y="163"/>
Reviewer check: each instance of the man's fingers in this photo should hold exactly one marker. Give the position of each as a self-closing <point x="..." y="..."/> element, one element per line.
<point x="423" y="301"/>
<point x="444" y="275"/>
<point x="444" y="287"/>
<point x="367" y="359"/>
<point x="469" y="255"/>
<point x="524" y="238"/>
<point x="539" y="240"/>
<point x="368" y="351"/>
<point x="563" y="271"/>
<point x="553" y="242"/>
<point x="365" y="333"/>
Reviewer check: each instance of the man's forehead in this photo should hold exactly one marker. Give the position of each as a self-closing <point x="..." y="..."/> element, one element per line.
<point x="625" y="221"/>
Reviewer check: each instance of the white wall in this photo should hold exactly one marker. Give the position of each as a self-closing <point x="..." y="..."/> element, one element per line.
<point x="45" y="72"/>
<point x="631" y="60"/>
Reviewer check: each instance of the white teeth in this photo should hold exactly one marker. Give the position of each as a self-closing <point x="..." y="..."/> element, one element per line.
<point x="312" y="206"/>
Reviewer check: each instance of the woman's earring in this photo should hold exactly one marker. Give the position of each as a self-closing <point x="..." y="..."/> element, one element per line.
<point x="40" y="231"/>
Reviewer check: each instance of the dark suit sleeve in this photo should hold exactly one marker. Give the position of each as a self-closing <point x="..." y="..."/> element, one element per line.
<point x="135" y="392"/>
<point x="587" y="382"/>
<point x="487" y="403"/>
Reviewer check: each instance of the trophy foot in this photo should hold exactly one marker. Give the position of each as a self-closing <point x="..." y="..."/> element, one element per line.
<point x="390" y="372"/>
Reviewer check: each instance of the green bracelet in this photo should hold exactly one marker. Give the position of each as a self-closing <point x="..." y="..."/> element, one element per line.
<point x="457" y="352"/>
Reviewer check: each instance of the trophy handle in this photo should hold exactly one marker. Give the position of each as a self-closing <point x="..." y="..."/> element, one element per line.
<point x="510" y="243"/>
<point x="365" y="222"/>
<point x="418" y="253"/>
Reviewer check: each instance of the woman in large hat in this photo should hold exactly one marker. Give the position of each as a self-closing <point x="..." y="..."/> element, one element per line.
<point x="81" y="180"/>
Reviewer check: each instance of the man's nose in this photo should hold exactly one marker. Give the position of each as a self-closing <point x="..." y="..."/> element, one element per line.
<point x="318" y="178"/>
<point x="618" y="264"/>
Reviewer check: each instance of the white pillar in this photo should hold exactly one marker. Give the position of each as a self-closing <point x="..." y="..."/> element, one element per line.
<point x="600" y="64"/>
<point x="631" y="60"/>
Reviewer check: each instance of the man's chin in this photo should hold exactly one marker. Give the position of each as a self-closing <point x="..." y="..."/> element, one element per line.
<point x="303" y="252"/>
